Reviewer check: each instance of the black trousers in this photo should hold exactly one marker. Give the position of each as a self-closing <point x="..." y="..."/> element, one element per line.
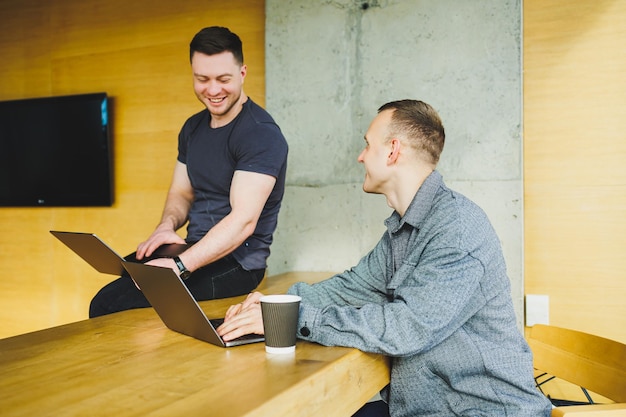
<point x="373" y="409"/>
<point x="220" y="279"/>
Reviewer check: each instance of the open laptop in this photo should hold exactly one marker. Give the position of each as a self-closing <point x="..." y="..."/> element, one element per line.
<point x="104" y="259"/>
<point x="177" y="308"/>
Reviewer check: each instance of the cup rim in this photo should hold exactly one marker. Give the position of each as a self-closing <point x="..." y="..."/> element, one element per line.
<point x="280" y="298"/>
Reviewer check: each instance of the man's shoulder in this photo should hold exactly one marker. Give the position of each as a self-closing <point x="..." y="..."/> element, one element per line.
<point x="448" y="199"/>
<point x="195" y="120"/>
<point x="257" y="123"/>
<point x="258" y="114"/>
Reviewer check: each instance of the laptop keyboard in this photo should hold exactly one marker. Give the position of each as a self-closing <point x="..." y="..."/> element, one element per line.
<point x="216" y="322"/>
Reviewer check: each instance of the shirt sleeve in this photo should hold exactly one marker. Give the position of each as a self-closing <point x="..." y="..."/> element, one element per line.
<point x="190" y="125"/>
<point x="422" y="305"/>
<point x="262" y="150"/>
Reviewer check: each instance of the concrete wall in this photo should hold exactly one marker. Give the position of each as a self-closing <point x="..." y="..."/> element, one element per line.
<point x="331" y="64"/>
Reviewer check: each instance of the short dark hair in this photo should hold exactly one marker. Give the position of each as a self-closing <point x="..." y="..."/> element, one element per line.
<point x="215" y="40"/>
<point x="419" y="124"/>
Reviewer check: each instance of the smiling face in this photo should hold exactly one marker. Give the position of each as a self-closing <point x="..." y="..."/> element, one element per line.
<point x="218" y="84"/>
<point x="376" y="154"/>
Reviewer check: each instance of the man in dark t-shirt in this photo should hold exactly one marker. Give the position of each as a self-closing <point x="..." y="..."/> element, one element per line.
<point x="228" y="185"/>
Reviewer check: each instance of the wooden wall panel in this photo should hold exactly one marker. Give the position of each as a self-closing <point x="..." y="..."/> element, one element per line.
<point x="137" y="52"/>
<point x="575" y="161"/>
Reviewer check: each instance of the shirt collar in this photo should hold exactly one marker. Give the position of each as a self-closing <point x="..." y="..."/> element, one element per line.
<point x="419" y="207"/>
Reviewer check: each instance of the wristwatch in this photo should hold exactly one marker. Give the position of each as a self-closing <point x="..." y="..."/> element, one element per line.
<point x="184" y="272"/>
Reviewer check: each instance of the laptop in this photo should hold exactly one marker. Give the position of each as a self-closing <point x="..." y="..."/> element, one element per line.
<point x="177" y="308"/>
<point x="104" y="259"/>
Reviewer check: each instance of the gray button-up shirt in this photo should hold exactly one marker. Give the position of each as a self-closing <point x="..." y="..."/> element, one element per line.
<point x="433" y="295"/>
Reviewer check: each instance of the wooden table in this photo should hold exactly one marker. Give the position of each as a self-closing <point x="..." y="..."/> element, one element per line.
<point x="130" y="364"/>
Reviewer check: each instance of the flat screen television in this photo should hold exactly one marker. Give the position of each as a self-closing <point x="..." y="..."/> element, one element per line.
<point x="56" y="151"/>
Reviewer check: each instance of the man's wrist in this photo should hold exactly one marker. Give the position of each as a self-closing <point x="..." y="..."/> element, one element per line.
<point x="166" y="225"/>
<point x="184" y="273"/>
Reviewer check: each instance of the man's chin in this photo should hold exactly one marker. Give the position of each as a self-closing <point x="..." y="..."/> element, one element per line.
<point x="217" y="109"/>
<point x="369" y="190"/>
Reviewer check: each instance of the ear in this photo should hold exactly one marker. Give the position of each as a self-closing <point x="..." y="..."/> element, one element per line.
<point x="394" y="151"/>
<point x="244" y="71"/>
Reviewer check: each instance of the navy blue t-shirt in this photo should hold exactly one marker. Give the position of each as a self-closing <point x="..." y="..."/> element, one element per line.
<point x="251" y="142"/>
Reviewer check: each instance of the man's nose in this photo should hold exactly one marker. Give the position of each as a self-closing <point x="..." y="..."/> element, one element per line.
<point x="213" y="88"/>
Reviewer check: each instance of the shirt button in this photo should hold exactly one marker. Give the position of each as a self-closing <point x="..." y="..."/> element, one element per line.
<point x="305" y="331"/>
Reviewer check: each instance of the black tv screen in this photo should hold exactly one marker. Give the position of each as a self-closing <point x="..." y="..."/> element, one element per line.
<point x="56" y="151"/>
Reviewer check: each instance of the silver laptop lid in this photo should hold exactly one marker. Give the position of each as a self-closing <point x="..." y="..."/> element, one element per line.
<point x="93" y="250"/>
<point x="175" y="305"/>
<point x="101" y="256"/>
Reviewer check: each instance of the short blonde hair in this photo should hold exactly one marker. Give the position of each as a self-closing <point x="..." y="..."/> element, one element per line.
<point x="419" y="124"/>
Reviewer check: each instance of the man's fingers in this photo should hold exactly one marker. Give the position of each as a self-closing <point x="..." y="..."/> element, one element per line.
<point x="244" y="322"/>
<point x="252" y="299"/>
<point x="232" y="311"/>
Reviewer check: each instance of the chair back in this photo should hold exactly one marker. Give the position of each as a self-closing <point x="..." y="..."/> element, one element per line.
<point x="589" y="361"/>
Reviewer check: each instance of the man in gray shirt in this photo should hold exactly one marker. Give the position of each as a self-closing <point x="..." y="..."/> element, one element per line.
<point x="433" y="294"/>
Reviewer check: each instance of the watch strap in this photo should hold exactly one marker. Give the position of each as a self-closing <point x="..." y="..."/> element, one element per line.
<point x="184" y="272"/>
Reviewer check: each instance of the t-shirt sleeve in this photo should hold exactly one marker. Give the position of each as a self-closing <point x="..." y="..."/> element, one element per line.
<point x="262" y="149"/>
<point x="186" y="131"/>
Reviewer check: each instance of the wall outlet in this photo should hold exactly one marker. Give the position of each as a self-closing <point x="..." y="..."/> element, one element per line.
<point x="537" y="309"/>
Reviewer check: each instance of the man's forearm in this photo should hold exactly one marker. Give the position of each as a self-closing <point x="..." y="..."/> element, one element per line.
<point x="226" y="236"/>
<point x="175" y="212"/>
